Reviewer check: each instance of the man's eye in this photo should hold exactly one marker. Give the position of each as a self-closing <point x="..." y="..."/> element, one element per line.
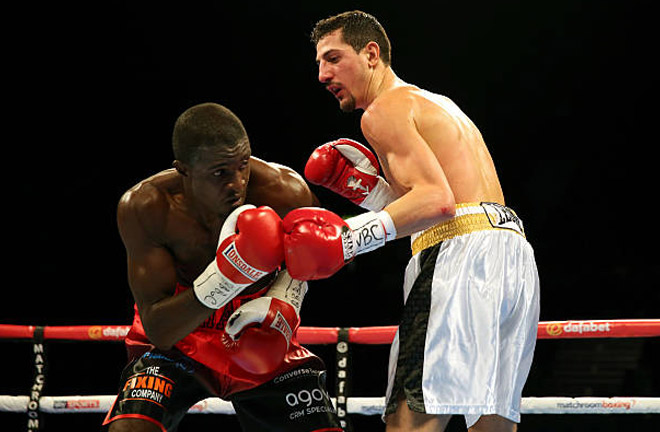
<point x="218" y="173"/>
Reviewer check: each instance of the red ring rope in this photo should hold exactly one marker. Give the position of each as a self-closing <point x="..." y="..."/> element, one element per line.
<point x="359" y="335"/>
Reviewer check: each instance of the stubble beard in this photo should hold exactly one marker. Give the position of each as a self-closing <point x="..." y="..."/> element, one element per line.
<point x="348" y="104"/>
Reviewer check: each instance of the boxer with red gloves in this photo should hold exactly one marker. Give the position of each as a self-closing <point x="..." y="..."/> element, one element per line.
<point x="208" y="320"/>
<point x="469" y="253"/>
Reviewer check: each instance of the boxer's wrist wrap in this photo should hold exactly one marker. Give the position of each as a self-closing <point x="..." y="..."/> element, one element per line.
<point x="379" y="197"/>
<point x="213" y="289"/>
<point x="288" y="290"/>
<point x="369" y="231"/>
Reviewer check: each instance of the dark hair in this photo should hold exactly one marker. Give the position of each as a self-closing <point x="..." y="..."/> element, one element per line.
<point x="205" y="125"/>
<point x="358" y="29"/>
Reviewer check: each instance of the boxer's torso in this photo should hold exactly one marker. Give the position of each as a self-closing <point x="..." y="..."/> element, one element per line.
<point x="173" y="224"/>
<point x="454" y="140"/>
<point x="170" y="223"/>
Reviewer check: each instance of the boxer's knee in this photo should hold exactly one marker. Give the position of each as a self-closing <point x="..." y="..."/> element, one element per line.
<point x="493" y="423"/>
<point x="406" y="420"/>
<point x="133" y="425"/>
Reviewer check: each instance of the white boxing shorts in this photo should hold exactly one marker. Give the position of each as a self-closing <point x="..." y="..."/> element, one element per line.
<point x="468" y="329"/>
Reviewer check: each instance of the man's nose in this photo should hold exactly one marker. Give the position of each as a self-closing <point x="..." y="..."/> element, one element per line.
<point x="237" y="182"/>
<point x="324" y="73"/>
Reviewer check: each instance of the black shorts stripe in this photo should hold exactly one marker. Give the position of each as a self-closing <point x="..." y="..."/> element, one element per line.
<point x="412" y="336"/>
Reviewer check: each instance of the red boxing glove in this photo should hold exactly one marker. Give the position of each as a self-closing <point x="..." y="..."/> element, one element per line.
<point x="242" y="258"/>
<point x="317" y="242"/>
<point x="350" y="169"/>
<point x="259" y="334"/>
<point x="313" y="243"/>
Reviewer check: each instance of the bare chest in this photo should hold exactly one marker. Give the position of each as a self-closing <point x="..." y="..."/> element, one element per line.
<point x="191" y="245"/>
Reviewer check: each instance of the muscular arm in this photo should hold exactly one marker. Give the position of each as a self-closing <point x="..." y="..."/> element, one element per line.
<point x="151" y="271"/>
<point x="412" y="168"/>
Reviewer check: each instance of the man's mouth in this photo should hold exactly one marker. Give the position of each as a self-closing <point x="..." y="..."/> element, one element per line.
<point x="234" y="201"/>
<point x="334" y="89"/>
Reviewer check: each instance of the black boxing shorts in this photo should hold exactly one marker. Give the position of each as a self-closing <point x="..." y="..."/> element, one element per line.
<point x="160" y="387"/>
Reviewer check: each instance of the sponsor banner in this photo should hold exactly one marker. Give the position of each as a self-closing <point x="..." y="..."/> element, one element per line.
<point x="33" y="407"/>
<point x="92" y="405"/>
<point x="150" y="386"/>
<point x="108" y="332"/>
<point x="576" y="329"/>
<point x="588" y="405"/>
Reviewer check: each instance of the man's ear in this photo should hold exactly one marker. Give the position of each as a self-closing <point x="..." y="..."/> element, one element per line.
<point x="180" y="167"/>
<point x="372" y="50"/>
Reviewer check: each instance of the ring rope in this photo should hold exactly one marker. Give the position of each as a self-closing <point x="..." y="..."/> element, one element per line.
<point x="355" y="405"/>
<point x="330" y="335"/>
<point x="360" y="335"/>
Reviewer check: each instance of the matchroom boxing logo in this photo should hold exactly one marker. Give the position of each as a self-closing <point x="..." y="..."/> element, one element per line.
<point x="590" y="327"/>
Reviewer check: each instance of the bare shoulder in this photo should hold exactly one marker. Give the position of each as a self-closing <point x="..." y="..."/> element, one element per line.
<point x="273" y="172"/>
<point x="399" y="100"/>
<point x="145" y="206"/>
<point x="278" y="186"/>
<point x="407" y="108"/>
<point x="390" y="115"/>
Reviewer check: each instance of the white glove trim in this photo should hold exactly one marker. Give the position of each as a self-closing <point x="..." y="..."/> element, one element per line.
<point x="253" y="312"/>
<point x="379" y="197"/>
<point x="229" y="226"/>
<point x="289" y="290"/>
<point x="359" y="160"/>
<point x="213" y="289"/>
<point x="368" y="231"/>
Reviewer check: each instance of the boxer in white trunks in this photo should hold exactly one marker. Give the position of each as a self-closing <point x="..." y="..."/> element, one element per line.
<point x="468" y="330"/>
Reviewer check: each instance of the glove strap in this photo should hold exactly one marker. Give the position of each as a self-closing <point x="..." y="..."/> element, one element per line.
<point x="369" y="231"/>
<point x="288" y="290"/>
<point x="213" y="289"/>
<point x="380" y="196"/>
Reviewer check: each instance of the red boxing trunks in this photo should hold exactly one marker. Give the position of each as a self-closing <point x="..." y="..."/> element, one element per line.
<point x="161" y="386"/>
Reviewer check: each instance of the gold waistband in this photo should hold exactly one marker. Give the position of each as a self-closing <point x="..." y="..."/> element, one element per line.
<point x="479" y="220"/>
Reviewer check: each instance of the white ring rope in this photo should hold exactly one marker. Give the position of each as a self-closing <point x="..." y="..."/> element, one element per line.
<point x="347" y="405"/>
<point x="355" y="405"/>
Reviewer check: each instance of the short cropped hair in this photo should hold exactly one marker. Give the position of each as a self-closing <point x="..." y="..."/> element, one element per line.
<point x="358" y="29"/>
<point x="205" y="125"/>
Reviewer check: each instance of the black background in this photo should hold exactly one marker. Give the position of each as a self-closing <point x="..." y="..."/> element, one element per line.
<point x="563" y="93"/>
